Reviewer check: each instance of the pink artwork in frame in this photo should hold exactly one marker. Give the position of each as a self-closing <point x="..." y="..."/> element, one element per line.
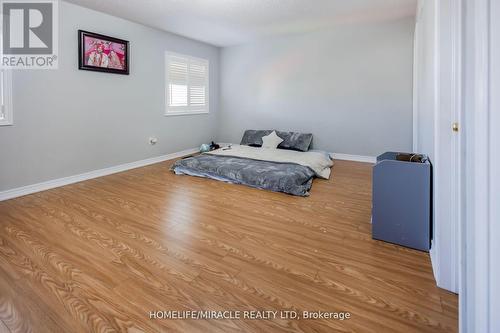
<point x="103" y="53"/>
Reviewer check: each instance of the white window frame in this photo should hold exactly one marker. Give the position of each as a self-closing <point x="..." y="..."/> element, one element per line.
<point x="6" y="98"/>
<point x="186" y="110"/>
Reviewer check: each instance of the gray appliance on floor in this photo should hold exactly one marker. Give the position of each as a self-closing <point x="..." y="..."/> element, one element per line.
<point x="401" y="212"/>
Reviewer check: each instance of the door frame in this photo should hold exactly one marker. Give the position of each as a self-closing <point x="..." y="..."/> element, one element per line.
<point x="480" y="270"/>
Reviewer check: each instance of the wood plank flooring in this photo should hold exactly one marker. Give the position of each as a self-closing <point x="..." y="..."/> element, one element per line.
<point x="100" y="255"/>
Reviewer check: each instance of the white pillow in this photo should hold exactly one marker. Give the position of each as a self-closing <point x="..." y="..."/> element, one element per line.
<point x="271" y="141"/>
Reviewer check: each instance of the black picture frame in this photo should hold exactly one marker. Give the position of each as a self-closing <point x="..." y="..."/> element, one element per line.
<point x="83" y="63"/>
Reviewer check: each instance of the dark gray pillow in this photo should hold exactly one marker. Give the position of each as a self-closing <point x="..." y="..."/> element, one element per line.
<point x="254" y="137"/>
<point x="295" y="140"/>
<point x="291" y="140"/>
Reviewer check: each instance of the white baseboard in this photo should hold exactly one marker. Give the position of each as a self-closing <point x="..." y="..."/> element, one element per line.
<point x="345" y="157"/>
<point x="356" y="158"/>
<point x="29" y="189"/>
<point x="47" y="185"/>
<point x="434" y="263"/>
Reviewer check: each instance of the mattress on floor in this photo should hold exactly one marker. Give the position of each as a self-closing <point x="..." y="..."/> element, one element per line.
<point x="289" y="178"/>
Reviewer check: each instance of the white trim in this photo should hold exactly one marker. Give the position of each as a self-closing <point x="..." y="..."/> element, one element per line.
<point x="7" y="98"/>
<point x="182" y="55"/>
<point x="447" y="182"/>
<point x="478" y="306"/>
<point x="335" y="156"/>
<point x="457" y="144"/>
<point x="480" y="272"/>
<point x="25" y="190"/>
<point x="480" y="275"/>
<point x="356" y="158"/>
<point x="436" y="234"/>
<point x="184" y="113"/>
<point x="47" y="185"/>
<point x="434" y="260"/>
<point x="416" y="68"/>
<point x="494" y="161"/>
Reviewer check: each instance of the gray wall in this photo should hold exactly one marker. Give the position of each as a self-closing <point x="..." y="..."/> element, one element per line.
<point x="68" y="121"/>
<point x="351" y="86"/>
<point x="425" y="85"/>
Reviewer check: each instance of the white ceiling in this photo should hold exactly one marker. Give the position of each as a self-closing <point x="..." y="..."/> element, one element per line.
<point x="231" y="22"/>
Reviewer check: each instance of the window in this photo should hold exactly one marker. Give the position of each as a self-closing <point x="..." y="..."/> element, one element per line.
<point x="187" y="84"/>
<point x="5" y="97"/>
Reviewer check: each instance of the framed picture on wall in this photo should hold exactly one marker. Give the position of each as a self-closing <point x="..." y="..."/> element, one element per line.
<point x="102" y="53"/>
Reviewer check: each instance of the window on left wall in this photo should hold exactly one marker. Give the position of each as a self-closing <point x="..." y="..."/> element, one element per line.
<point x="6" y="117"/>
<point x="187" y="80"/>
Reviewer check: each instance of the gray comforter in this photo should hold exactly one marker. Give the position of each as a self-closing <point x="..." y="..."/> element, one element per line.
<point x="279" y="177"/>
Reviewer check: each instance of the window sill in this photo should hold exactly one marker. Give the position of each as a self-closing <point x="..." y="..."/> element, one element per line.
<point x="185" y="113"/>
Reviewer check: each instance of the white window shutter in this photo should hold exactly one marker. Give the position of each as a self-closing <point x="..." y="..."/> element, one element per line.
<point x="187" y="84"/>
<point x="178" y="81"/>
<point x="197" y="83"/>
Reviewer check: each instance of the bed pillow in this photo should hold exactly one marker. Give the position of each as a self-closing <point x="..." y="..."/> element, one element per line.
<point x="291" y="140"/>
<point x="253" y="138"/>
<point x="295" y="140"/>
<point x="271" y="141"/>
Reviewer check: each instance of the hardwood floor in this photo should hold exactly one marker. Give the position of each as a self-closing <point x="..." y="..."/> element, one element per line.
<point x="100" y="255"/>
